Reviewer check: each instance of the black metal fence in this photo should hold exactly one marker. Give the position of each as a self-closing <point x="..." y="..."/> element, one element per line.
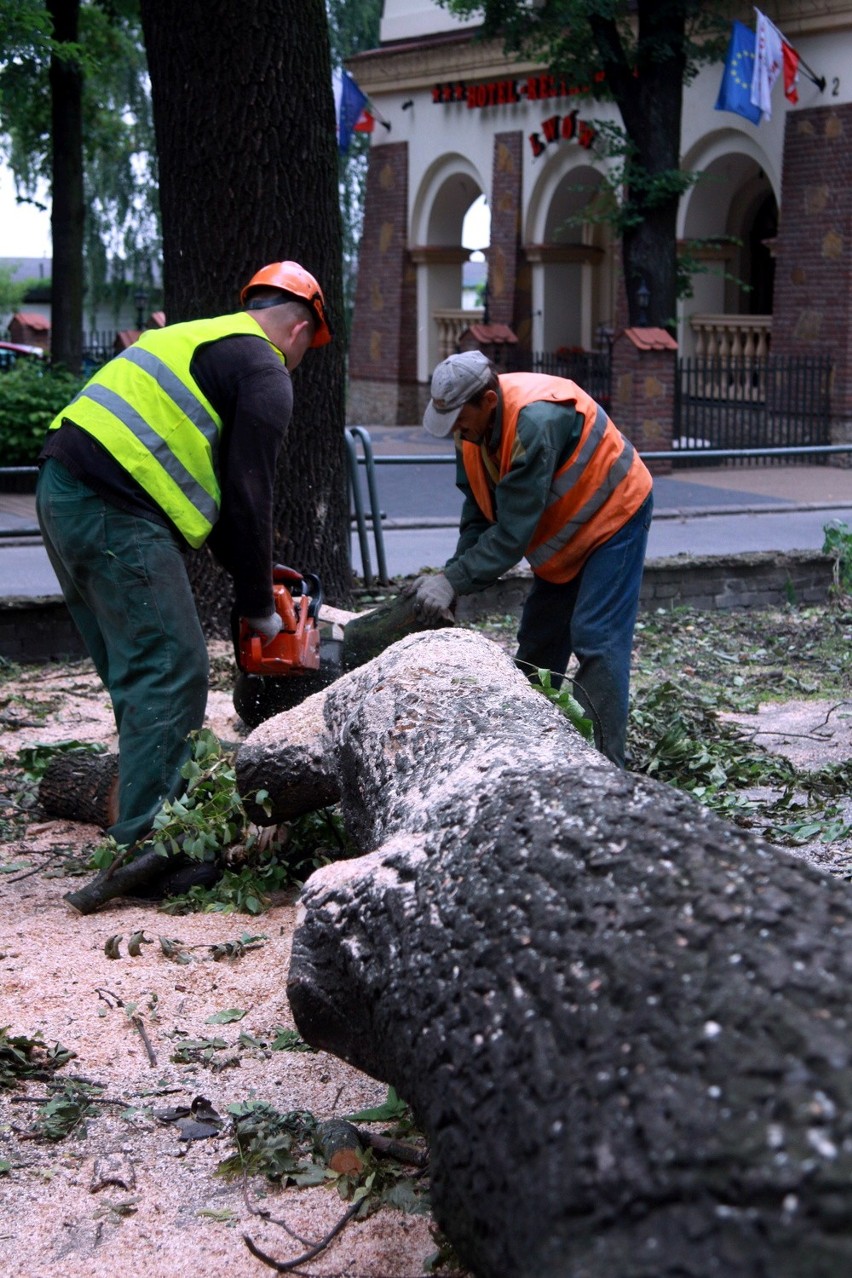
<point x="777" y="401"/>
<point x="590" y="369"/>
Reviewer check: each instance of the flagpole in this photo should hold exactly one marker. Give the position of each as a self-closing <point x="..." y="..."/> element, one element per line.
<point x="818" y="80"/>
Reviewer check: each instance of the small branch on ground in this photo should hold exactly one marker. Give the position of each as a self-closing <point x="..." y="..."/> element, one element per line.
<point x="290" y="1266"/>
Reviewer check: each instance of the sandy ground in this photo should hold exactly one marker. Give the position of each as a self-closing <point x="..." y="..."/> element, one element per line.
<point x="124" y="1189"/>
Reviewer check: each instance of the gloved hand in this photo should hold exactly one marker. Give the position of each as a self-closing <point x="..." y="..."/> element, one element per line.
<point x="267" y="626"/>
<point x="433" y="595"/>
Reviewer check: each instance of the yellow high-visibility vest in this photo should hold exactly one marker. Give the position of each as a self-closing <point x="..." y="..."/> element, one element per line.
<point x="147" y="411"/>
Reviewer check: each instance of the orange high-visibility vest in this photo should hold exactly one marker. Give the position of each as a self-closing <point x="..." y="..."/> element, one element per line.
<point x="592" y="495"/>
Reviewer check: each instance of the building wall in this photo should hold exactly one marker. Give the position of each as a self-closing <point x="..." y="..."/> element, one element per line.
<point x="471" y="122"/>
<point x="813" y="297"/>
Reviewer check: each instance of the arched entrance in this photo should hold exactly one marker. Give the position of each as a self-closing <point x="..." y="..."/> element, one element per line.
<point x="570" y="254"/>
<point x="729" y="222"/>
<point x="441" y="204"/>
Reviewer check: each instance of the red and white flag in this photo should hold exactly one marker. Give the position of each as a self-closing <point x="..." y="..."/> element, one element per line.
<point x="791" y="71"/>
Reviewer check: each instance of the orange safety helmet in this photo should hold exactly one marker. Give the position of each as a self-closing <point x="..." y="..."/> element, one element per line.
<point x="292" y="278"/>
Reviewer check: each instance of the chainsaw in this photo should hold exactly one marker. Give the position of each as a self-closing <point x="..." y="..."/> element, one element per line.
<point x="295" y="650"/>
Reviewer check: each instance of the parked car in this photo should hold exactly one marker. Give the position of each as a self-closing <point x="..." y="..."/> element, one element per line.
<point x="11" y="352"/>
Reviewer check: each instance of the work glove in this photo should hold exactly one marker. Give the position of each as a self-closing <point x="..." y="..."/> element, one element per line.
<point x="433" y="596"/>
<point x="267" y="626"/>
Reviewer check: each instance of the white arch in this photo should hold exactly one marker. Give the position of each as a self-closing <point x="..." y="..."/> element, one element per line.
<point x="721" y="145"/>
<point x="737" y="175"/>
<point x="445" y="193"/>
<point x="432" y="186"/>
<point x="571" y="295"/>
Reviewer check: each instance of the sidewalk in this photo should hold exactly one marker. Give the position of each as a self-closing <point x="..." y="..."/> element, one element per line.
<point x="707" y="511"/>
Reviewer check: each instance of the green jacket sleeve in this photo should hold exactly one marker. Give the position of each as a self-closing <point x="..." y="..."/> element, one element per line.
<point x="546" y="433"/>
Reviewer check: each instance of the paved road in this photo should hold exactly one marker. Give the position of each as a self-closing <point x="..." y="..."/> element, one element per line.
<point x="410" y="550"/>
<point x="711" y="512"/>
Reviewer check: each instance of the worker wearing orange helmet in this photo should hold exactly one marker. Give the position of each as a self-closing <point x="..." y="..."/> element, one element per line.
<point x="171" y="445"/>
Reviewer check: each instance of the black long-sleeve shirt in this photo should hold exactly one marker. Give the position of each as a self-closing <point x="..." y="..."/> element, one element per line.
<point x="251" y="390"/>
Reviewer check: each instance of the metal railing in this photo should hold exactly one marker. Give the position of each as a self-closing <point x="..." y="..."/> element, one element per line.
<point x="353" y="436"/>
<point x="741" y="403"/>
<point x="365" y="524"/>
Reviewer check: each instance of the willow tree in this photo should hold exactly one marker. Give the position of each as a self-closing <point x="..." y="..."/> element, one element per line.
<point x="75" y="119"/>
<point x="638" y="54"/>
<point x="246" y="143"/>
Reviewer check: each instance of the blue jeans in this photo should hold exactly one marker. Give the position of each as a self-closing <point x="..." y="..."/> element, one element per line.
<point x="592" y="616"/>
<point x="126" y="587"/>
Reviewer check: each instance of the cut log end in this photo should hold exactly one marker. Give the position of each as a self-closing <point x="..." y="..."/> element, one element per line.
<point x="81" y="786"/>
<point x="340" y="1146"/>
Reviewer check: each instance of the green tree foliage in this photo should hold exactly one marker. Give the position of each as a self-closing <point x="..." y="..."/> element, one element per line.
<point x="121" y="235"/>
<point x="638" y="54"/>
<point x="352" y="28"/>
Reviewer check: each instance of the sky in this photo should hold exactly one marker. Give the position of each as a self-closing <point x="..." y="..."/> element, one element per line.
<point x="24" y="230"/>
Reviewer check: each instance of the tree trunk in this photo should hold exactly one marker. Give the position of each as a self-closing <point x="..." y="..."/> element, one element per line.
<point x="81" y="787"/>
<point x="649" y="96"/>
<point x="621" y="1022"/>
<point x="248" y="175"/>
<point x="67" y="208"/>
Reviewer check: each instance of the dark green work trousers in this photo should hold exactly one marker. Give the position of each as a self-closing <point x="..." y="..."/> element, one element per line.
<point x="126" y="587"/>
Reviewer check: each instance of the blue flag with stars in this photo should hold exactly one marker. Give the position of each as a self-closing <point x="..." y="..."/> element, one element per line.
<point x="735" y="89"/>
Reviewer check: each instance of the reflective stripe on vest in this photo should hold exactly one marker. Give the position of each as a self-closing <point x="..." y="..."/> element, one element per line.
<point x="598" y="489"/>
<point x="145" y="408"/>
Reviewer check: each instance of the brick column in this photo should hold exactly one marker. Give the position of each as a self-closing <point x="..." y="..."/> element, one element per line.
<point x="508" y="273"/>
<point x="644" y="372"/>
<point x="812" y="307"/>
<point x="383" y="346"/>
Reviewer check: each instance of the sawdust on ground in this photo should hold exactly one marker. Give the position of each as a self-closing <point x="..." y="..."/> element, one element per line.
<point x="125" y="1184"/>
<point x="125" y="1189"/>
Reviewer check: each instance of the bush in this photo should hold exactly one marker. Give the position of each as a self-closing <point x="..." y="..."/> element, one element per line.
<point x="30" y="398"/>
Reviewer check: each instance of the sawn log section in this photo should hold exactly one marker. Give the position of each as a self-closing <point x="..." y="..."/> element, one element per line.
<point x="622" y="1023"/>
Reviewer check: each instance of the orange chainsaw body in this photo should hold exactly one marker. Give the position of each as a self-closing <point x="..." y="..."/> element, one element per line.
<point x="295" y="649"/>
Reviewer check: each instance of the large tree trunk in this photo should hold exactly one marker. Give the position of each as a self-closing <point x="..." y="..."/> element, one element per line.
<point x="621" y="1022"/>
<point x="245" y="129"/>
<point x="67" y="206"/>
<point x="649" y="95"/>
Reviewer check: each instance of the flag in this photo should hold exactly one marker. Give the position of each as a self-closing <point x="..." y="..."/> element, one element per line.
<point x="369" y="118"/>
<point x="791" y="71"/>
<point x="349" y="102"/>
<point x="366" y="122"/>
<point x="735" y="89"/>
<point x="768" y="60"/>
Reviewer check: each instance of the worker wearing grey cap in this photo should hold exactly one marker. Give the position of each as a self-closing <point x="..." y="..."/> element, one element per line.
<point x="547" y="476"/>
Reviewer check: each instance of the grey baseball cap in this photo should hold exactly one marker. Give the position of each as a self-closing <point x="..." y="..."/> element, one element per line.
<point x="455" y="381"/>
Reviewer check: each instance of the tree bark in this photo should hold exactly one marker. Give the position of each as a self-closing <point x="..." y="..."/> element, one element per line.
<point x="67" y="207"/>
<point x="248" y="175"/>
<point x="621" y="1022"/>
<point x="81" y="787"/>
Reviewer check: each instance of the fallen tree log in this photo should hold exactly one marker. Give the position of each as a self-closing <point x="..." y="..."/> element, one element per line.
<point x="621" y="1022"/>
<point x="81" y="786"/>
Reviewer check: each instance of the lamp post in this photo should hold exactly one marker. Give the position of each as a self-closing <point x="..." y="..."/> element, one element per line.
<point x="643" y="298"/>
<point x="140" y="297"/>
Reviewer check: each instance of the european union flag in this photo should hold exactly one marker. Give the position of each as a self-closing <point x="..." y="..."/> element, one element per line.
<point x="735" y="89"/>
<point x="350" y="102"/>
